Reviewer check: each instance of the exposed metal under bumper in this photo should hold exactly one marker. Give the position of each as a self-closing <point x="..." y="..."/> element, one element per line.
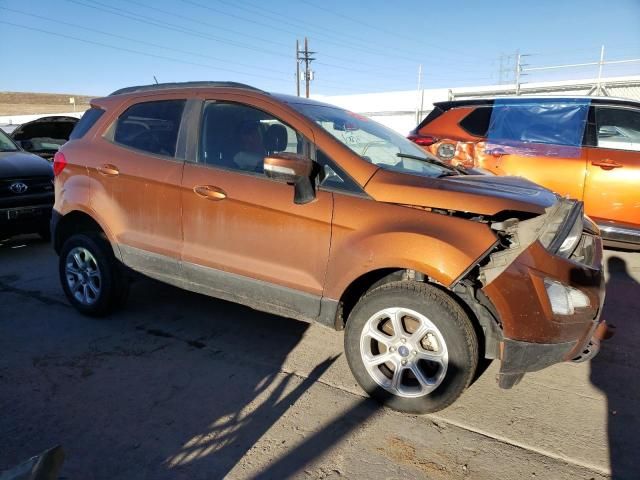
<point x="620" y="234"/>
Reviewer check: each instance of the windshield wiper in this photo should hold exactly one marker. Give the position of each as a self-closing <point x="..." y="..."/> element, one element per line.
<point x="433" y="161"/>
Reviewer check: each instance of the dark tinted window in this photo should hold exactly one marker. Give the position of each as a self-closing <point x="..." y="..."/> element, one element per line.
<point x="238" y="137"/>
<point x="87" y="121"/>
<point x="151" y="126"/>
<point x="334" y="177"/>
<point x="477" y="122"/>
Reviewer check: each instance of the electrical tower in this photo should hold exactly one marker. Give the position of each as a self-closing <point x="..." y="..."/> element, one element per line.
<point x="304" y="56"/>
<point x="506" y="68"/>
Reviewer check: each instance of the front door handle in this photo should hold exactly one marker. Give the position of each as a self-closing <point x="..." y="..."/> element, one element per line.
<point x="108" y="170"/>
<point x="210" y="192"/>
<point x="606" y="164"/>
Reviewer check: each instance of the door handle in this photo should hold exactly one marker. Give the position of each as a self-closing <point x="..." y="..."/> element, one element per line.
<point x="606" y="164"/>
<point x="108" y="170"/>
<point x="210" y="192"/>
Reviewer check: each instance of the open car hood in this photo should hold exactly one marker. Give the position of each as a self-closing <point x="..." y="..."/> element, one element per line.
<point x="58" y="127"/>
<point x="477" y="194"/>
<point x="45" y="135"/>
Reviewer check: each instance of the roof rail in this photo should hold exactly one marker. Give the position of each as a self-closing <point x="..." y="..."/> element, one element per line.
<point x="167" y="86"/>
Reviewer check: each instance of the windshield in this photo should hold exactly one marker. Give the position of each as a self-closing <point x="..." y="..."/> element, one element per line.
<point x="6" y="145"/>
<point x="373" y="142"/>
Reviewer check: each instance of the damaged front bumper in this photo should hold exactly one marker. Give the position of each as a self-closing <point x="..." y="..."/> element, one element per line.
<point x="549" y="305"/>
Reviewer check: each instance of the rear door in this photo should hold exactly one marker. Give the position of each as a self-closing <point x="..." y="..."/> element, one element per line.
<point x="244" y="238"/>
<point x="612" y="193"/>
<point x="541" y="140"/>
<point x="137" y="168"/>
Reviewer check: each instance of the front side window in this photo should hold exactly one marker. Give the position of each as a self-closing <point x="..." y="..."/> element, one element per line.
<point x="618" y="128"/>
<point x="373" y="142"/>
<point x="238" y="137"/>
<point x="151" y="127"/>
<point x="6" y="144"/>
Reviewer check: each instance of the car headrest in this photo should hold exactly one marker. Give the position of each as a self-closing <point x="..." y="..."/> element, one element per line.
<point x="275" y="138"/>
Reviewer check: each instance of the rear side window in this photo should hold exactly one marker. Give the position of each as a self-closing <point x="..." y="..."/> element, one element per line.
<point x="618" y="128"/>
<point x="477" y="122"/>
<point x="151" y="127"/>
<point x="87" y="121"/>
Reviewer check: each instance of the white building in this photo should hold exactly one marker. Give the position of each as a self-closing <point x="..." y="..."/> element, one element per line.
<point x="403" y="110"/>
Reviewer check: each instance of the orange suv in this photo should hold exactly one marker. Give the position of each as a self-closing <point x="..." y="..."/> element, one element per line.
<point x="305" y="210"/>
<point x="582" y="147"/>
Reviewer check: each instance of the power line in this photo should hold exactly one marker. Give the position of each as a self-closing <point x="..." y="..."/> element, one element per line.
<point x="133" y="40"/>
<point x="394" y="33"/>
<point x="206" y="24"/>
<point x="129" y="50"/>
<point x="169" y="26"/>
<point x="356" y="44"/>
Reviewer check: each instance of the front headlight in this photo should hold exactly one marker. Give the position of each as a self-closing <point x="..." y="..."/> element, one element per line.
<point x="571" y="241"/>
<point x="564" y="232"/>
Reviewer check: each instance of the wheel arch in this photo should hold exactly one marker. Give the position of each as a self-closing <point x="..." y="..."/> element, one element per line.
<point x="78" y="221"/>
<point x="485" y="324"/>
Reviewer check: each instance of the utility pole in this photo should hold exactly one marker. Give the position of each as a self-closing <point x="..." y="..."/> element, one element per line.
<point x="297" y="68"/>
<point x="520" y="69"/>
<point x="420" y="102"/>
<point x="305" y="56"/>
<point x="518" y="72"/>
<point x="600" y="65"/>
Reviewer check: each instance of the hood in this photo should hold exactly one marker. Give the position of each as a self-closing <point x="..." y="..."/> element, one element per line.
<point x="46" y="127"/>
<point x="22" y="164"/>
<point x="478" y="194"/>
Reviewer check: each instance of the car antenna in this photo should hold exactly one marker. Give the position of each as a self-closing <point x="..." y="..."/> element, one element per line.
<point x="155" y="79"/>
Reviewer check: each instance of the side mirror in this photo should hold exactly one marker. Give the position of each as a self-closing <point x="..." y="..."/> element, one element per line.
<point x="294" y="169"/>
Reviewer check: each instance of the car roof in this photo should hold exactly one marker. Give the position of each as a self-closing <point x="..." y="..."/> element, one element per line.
<point x="182" y="85"/>
<point x="162" y="87"/>
<point x="488" y="101"/>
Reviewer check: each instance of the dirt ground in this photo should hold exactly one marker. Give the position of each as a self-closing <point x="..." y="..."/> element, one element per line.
<point x="178" y="385"/>
<point x="19" y="103"/>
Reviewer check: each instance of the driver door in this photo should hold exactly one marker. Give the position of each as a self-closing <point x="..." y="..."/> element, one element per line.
<point x="244" y="238"/>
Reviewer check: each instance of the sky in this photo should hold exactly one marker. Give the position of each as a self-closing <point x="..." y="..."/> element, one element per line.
<point x="96" y="46"/>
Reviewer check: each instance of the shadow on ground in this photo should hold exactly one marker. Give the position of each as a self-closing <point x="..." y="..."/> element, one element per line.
<point x="176" y="385"/>
<point x="615" y="370"/>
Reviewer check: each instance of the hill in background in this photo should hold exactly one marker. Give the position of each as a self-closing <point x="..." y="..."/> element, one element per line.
<point x="21" y="103"/>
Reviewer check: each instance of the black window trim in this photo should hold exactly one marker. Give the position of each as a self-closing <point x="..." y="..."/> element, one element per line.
<point x="109" y="133"/>
<point x="339" y="171"/>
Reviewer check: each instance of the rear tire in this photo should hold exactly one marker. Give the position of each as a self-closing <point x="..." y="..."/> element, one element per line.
<point x="91" y="277"/>
<point x="411" y="346"/>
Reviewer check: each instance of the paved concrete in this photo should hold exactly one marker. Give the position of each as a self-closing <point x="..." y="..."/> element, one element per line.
<point x="179" y="385"/>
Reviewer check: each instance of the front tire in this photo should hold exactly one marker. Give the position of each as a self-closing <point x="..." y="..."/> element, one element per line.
<point x="91" y="276"/>
<point x="411" y="346"/>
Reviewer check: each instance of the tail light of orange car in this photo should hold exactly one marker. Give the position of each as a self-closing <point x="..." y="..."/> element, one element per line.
<point x="422" y="140"/>
<point x="59" y="162"/>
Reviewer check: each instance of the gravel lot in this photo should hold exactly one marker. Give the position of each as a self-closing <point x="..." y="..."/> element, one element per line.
<point x="178" y="385"/>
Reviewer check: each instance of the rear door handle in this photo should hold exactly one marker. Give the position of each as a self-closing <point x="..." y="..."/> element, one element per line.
<point x="210" y="192"/>
<point x="606" y="164"/>
<point x="108" y="170"/>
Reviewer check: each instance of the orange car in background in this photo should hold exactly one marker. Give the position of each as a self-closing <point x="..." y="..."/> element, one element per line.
<point x="586" y="148"/>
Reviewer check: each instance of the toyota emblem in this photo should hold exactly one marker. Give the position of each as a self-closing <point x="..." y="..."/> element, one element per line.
<point x="18" y="187"/>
